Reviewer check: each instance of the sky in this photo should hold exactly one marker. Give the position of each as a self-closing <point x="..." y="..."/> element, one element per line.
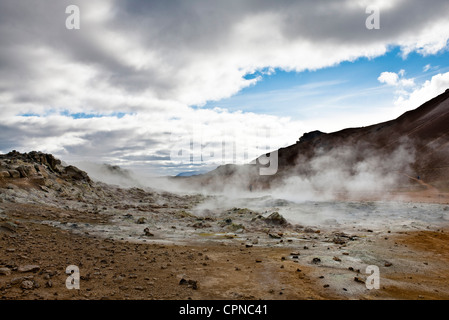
<point x="164" y="87"/>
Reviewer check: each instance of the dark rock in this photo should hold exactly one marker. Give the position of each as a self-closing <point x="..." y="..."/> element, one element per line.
<point x="338" y="240"/>
<point x="276" y="219"/>
<point x="189" y="283"/>
<point x="75" y="173"/>
<point x="359" y="280"/>
<point x="147" y="232"/>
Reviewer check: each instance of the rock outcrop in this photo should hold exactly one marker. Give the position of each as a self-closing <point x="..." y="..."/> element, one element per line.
<point x="38" y="165"/>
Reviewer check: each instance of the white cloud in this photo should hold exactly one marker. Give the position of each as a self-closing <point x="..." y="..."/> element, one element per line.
<point x="390" y="78"/>
<point x="396" y="79"/>
<point x="431" y="88"/>
<point x="153" y="60"/>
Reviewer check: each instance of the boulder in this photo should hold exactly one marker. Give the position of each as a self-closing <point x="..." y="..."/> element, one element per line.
<point x="4" y="174"/>
<point x="14" y="174"/>
<point x="75" y="173"/>
<point x="276" y="219"/>
<point x="26" y="171"/>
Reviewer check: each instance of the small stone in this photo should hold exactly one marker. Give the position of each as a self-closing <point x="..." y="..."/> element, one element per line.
<point x="140" y="221"/>
<point x="8" y="227"/>
<point x="388" y="264"/>
<point x="316" y="260"/>
<point x="147" y="232"/>
<point x="337" y="259"/>
<point x="357" y="279"/>
<point x="190" y="283"/>
<point x="27" y="284"/>
<point x="5" y="271"/>
<point x="28" y="268"/>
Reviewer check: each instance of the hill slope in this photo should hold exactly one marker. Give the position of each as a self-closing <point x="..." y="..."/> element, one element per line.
<point x="411" y="151"/>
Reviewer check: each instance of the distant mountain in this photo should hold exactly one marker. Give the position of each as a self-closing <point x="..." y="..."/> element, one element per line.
<point x="413" y="148"/>
<point x="189" y="173"/>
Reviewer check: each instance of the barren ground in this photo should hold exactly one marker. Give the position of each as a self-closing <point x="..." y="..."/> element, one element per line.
<point x="114" y="269"/>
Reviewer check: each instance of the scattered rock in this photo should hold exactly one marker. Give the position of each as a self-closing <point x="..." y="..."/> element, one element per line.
<point x="359" y="280"/>
<point x="316" y="260"/>
<point x="5" y="271"/>
<point x="27" y="284"/>
<point x="141" y="220"/>
<point x="339" y="240"/>
<point x="337" y="259"/>
<point x="388" y="264"/>
<point x="189" y="283"/>
<point x="8" y="227"/>
<point x="274" y="236"/>
<point x="28" y="268"/>
<point x="147" y="232"/>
